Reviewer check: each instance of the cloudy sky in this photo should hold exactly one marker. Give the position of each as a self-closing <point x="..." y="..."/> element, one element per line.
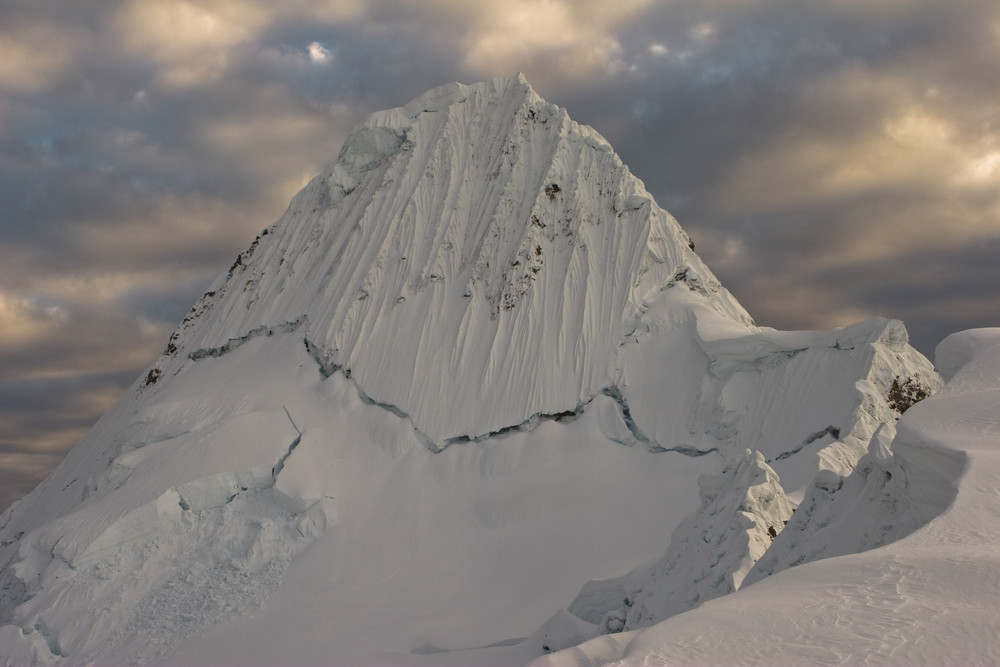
<point x="833" y="160"/>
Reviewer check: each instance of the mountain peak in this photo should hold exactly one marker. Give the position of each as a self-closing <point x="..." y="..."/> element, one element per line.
<point x="509" y="89"/>
<point x="501" y="93"/>
<point x="476" y="240"/>
<point x="472" y="337"/>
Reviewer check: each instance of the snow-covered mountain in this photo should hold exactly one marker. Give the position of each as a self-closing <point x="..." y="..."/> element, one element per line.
<point x="473" y="367"/>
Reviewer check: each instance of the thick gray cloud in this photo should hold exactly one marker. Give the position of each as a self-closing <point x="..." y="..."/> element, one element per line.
<point x="833" y="160"/>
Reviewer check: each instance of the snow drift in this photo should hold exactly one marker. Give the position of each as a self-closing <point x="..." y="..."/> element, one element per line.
<point x="473" y="366"/>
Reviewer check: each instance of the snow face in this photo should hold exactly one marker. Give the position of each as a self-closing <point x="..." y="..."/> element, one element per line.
<point x="471" y="368"/>
<point x="928" y="598"/>
<point x="475" y="240"/>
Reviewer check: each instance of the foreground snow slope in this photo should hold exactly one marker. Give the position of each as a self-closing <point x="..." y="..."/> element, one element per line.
<point x="471" y="368"/>
<point x="928" y="599"/>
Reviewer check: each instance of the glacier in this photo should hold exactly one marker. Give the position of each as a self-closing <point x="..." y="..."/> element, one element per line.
<point x="472" y="368"/>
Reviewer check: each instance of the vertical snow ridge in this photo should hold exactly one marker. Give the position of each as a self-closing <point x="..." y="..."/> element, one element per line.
<point x="441" y="245"/>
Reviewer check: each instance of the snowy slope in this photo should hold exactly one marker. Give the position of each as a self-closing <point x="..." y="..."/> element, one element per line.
<point x="474" y="240"/>
<point x="471" y="368"/>
<point x="927" y="599"/>
<point x="710" y="552"/>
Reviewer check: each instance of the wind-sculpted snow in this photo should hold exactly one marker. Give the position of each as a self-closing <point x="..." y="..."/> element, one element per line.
<point x="473" y="367"/>
<point x="710" y="553"/>
<point x="928" y="598"/>
<point x="797" y="397"/>
<point x="872" y="506"/>
<point x="473" y="241"/>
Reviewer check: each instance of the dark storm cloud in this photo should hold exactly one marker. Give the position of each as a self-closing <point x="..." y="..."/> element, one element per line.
<point x="832" y="160"/>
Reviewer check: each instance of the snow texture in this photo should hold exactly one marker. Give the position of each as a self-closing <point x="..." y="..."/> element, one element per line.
<point x="710" y="552"/>
<point x="928" y="598"/>
<point x="472" y="367"/>
<point x="474" y="240"/>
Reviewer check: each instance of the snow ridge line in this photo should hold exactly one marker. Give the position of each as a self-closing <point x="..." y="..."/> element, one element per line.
<point x="614" y="393"/>
<point x="813" y="437"/>
<point x="233" y="343"/>
<point x="280" y="465"/>
<point x="528" y="425"/>
<point x="328" y="368"/>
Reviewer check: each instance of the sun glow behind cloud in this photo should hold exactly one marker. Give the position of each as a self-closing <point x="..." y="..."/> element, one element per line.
<point x="576" y="39"/>
<point x="318" y="53"/>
